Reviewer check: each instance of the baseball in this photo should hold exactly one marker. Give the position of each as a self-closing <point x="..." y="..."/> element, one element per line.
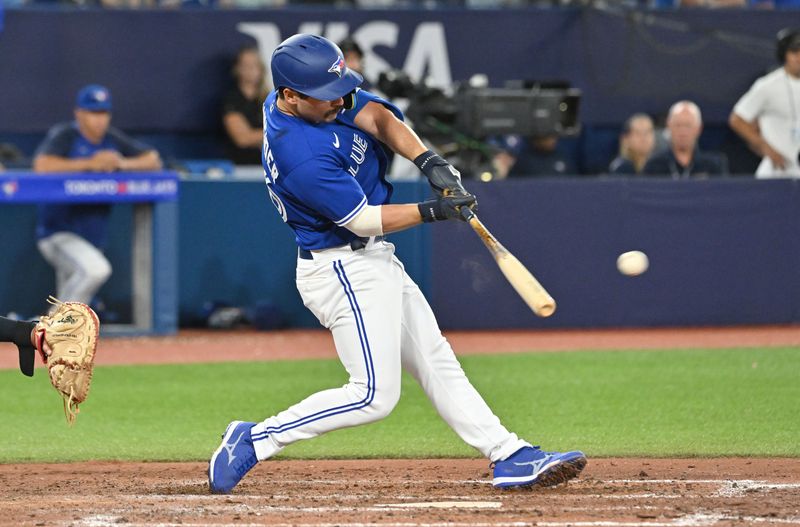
<point x="632" y="263"/>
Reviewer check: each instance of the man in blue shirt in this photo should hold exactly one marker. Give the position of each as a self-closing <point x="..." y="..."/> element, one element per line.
<point x="325" y="169"/>
<point x="72" y="237"/>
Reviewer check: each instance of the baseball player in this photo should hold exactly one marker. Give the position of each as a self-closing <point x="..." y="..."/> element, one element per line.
<point x="325" y="164"/>
<point x="72" y="237"/>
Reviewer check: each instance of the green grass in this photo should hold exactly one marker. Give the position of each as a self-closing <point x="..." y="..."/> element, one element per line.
<point x="679" y="403"/>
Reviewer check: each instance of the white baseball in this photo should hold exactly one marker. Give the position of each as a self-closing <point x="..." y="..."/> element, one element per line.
<point x="632" y="263"/>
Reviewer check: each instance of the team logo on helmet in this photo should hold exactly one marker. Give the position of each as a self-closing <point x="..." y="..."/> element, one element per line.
<point x="338" y="67"/>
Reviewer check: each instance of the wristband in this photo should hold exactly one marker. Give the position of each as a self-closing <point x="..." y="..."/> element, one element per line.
<point x="427" y="160"/>
<point x="431" y="211"/>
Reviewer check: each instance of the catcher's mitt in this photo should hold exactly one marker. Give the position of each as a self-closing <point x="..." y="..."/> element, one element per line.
<point x="67" y="340"/>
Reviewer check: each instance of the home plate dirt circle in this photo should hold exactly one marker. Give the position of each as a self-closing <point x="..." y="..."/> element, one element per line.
<point x="404" y="493"/>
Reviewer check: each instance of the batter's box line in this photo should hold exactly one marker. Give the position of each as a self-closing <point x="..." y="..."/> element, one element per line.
<point x="693" y="520"/>
<point x="728" y="488"/>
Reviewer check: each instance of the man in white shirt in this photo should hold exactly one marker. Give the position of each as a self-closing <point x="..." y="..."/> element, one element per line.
<point x="767" y="117"/>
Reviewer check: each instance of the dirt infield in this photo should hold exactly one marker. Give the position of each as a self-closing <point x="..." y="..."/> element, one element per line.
<point x="423" y="493"/>
<point x="406" y="493"/>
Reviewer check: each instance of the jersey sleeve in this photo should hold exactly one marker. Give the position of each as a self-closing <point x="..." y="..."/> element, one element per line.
<point x="126" y="145"/>
<point x="362" y="98"/>
<point x="323" y="186"/>
<point x="57" y="142"/>
<point x="751" y="103"/>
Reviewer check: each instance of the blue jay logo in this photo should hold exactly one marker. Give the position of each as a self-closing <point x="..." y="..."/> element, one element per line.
<point x="338" y="67"/>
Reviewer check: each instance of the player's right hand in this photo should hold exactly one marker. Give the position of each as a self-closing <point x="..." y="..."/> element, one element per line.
<point x="778" y="161"/>
<point x="105" y="161"/>
<point x="453" y="202"/>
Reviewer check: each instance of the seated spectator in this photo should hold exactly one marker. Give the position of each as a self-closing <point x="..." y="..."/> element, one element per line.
<point x="72" y="237"/>
<point x="636" y="144"/>
<point x="540" y="156"/>
<point x="683" y="159"/>
<point x="241" y="108"/>
<point x="12" y="157"/>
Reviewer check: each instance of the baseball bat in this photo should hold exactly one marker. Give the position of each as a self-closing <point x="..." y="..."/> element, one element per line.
<point x="526" y="285"/>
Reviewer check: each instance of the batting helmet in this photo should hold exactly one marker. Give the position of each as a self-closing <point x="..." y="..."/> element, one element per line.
<point x="313" y="66"/>
<point x="786" y="39"/>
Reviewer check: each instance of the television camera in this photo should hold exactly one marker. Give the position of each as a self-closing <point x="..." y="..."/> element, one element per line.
<point x="463" y="125"/>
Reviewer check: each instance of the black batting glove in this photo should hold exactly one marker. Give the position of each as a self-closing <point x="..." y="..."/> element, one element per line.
<point x="441" y="175"/>
<point x="446" y="207"/>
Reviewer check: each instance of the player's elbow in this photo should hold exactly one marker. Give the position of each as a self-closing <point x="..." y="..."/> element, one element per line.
<point x="368" y="222"/>
<point x="42" y="163"/>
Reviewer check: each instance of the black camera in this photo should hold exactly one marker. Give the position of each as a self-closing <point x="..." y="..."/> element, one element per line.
<point x="530" y="111"/>
<point x="465" y="125"/>
<point x="525" y="108"/>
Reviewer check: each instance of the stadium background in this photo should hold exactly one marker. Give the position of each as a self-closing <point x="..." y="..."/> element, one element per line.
<point x="647" y="407"/>
<point x="715" y="246"/>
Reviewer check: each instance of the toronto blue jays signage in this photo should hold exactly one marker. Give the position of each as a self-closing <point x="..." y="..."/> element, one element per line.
<point x="128" y="187"/>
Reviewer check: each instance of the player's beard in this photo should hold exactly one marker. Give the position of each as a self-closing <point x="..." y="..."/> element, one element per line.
<point x="331" y="115"/>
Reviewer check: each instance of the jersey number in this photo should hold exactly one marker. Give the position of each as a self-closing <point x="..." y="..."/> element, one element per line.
<point x="277" y="202"/>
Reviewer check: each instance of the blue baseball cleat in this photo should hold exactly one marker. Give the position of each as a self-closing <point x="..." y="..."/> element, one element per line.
<point x="233" y="459"/>
<point x="530" y="465"/>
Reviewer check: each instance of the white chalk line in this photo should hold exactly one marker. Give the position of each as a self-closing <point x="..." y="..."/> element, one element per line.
<point x="694" y="520"/>
<point x="443" y="505"/>
<point x="233" y="503"/>
<point x="106" y="522"/>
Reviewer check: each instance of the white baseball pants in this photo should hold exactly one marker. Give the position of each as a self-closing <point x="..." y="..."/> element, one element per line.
<point x="381" y="323"/>
<point x="81" y="268"/>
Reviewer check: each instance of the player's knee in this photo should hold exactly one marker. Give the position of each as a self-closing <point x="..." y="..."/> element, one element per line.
<point x="99" y="272"/>
<point x="383" y="401"/>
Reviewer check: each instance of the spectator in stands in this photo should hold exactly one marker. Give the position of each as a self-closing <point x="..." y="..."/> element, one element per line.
<point x="767" y="117"/>
<point x="683" y="159"/>
<point x="636" y="144"/>
<point x="538" y="156"/>
<point x="12" y="157"/>
<point x="241" y="108"/>
<point x="72" y="237"/>
<point x="354" y="58"/>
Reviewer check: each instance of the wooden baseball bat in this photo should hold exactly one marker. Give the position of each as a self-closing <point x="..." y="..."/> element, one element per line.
<point x="526" y="285"/>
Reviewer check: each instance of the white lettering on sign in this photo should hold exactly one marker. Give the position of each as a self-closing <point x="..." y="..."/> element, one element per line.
<point x="111" y="187"/>
<point x="92" y="187"/>
<point x="427" y="57"/>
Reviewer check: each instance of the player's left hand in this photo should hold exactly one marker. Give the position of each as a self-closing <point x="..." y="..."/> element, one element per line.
<point x="442" y="176"/>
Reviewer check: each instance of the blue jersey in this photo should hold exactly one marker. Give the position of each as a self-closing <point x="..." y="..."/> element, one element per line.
<point x="320" y="176"/>
<point x="87" y="221"/>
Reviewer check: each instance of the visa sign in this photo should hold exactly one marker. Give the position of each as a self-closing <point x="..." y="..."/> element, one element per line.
<point x="427" y="56"/>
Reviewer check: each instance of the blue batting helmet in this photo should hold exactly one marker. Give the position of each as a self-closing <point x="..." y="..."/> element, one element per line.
<point x="313" y="66"/>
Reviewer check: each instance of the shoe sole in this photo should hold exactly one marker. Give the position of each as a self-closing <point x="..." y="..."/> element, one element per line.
<point x="225" y="437"/>
<point x="554" y="474"/>
<point x="561" y="473"/>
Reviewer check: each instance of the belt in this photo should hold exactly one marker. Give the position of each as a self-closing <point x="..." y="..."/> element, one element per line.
<point x="355" y="245"/>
